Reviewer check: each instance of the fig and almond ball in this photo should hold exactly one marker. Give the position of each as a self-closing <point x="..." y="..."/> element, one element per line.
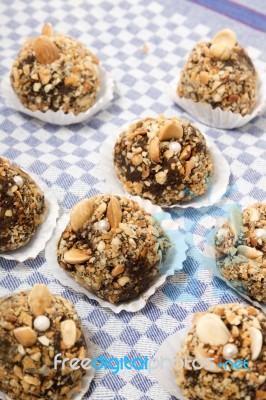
<point x="241" y="250"/>
<point x="55" y="72"/>
<point x="112" y="247"/>
<point x="165" y="160"/>
<point x="220" y="73"/>
<point x="234" y="337"/>
<point x="22" y="207"/>
<point x="35" y="326"/>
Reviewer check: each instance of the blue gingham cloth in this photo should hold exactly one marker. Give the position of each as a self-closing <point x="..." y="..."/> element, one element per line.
<point x="141" y="43"/>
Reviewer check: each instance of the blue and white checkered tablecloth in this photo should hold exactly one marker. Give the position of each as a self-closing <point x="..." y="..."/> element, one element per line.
<point x="65" y="157"/>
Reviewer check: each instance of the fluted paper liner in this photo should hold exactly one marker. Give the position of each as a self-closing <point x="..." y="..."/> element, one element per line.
<point x="209" y="261"/>
<point x="103" y="98"/>
<point x="174" y="260"/>
<point x="216" y="117"/>
<point x="164" y="373"/>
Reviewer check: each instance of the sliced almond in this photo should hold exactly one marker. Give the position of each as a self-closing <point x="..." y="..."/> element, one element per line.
<point x="69" y="333"/>
<point x="256" y="323"/>
<point x="249" y="252"/>
<point x="114" y="213"/>
<point x="47" y="30"/>
<point x="25" y="336"/>
<point x="226" y="37"/>
<point x="45" y="49"/>
<point x="39" y="299"/>
<point x="76" y="256"/>
<point x="203" y="355"/>
<point x="197" y="316"/>
<point x="211" y="330"/>
<point x="81" y="213"/>
<point x="154" y="150"/>
<point x="172" y="130"/>
<point x="256" y="342"/>
<point x="235" y="221"/>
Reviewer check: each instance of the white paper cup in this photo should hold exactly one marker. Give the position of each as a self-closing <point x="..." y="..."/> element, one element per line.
<point x="88" y="377"/>
<point x="44" y="231"/>
<point x="217" y="187"/>
<point x="163" y="363"/>
<point x="216" y="117"/>
<point x="173" y="262"/>
<point x="104" y="97"/>
<point x="209" y="261"/>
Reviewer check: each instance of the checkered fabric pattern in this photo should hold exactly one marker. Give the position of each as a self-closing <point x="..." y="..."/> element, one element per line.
<point x="141" y="43"/>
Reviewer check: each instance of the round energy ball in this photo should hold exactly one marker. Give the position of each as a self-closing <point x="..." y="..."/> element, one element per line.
<point x="28" y="349"/>
<point x="55" y="72"/>
<point x="241" y="250"/>
<point x="165" y="160"/>
<point x="233" y="337"/>
<point x="220" y="73"/>
<point x="22" y="207"/>
<point x="112" y="247"/>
